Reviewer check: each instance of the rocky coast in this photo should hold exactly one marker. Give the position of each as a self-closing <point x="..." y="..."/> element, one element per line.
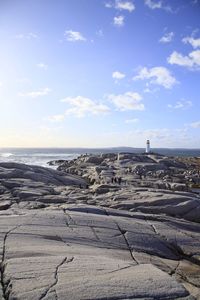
<point x="110" y="226"/>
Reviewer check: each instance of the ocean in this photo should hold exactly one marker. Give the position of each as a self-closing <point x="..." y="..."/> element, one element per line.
<point x="35" y="156"/>
<point x="40" y="156"/>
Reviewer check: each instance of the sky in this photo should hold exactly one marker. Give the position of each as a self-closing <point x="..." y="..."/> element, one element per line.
<point x="100" y="73"/>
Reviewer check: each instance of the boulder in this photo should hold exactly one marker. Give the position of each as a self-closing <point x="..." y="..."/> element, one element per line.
<point x="94" y="160"/>
<point x="5" y="204"/>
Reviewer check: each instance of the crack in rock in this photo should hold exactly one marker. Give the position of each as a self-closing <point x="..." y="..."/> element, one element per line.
<point x="2" y="266"/>
<point x="95" y="233"/>
<point x="174" y="271"/>
<point x="24" y="278"/>
<point x="123" y="233"/>
<point x="173" y="246"/>
<point x="71" y="220"/>
<point x="185" y="256"/>
<point x="114" y="271"/>
<point x="63" y="241"/>
<point x="44" y="294"/>
<point x="120" y="234"/>
<point x="185" y="279"/>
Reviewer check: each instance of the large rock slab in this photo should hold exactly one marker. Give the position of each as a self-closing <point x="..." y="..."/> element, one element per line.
<point x="182" y="204"/>
<point x="19" y="182"/>
<point x="83" y="252"/>
<point x="49" y="176"/>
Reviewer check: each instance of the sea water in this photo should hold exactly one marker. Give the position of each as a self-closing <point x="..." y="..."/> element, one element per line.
<point x="33" y="156"/>
<point x="41" y="156"/>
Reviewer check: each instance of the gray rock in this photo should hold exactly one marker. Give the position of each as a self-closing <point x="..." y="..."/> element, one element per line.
<point x="5" y="205"/>
<point x="131" y="243"/>
<point x="38" y="174"/>
<point x="94" y="160"/>
<point x="88" y="253"/>
<point x="105" y="188"/>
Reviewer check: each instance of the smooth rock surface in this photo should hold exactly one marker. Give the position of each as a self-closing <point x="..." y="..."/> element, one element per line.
<point x="78" y="255"/>
<point x="62" y="238"/>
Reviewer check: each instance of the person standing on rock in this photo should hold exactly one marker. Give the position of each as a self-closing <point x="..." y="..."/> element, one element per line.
<point x="119" y="180"/>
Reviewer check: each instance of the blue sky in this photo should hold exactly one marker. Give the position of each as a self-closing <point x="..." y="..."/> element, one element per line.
<point x="95" y="73"/>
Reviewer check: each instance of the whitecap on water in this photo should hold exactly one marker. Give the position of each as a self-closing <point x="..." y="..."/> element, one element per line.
<point x="6" y="154"/>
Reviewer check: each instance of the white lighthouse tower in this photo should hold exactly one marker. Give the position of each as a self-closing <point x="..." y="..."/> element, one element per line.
<point x="148" y="147"/>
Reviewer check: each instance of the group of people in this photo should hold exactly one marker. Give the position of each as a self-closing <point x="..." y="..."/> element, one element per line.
<point x="116" y="180"/>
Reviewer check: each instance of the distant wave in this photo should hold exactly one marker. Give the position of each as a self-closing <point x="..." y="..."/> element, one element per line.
<point x="51" y="154"/>
<point x="34" y="158"/>
<point x="6" y="154"/>
<point x="37" y="154"/>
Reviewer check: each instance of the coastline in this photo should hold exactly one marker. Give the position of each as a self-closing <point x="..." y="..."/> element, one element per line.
<point x="41" y="156"/>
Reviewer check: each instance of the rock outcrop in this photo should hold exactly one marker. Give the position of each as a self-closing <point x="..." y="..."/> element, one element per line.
<point x="153" y="170"/>
<point x="81" y="233"/>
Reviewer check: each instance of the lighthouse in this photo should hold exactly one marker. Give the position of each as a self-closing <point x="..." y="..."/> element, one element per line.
<point x="148" y="147"/>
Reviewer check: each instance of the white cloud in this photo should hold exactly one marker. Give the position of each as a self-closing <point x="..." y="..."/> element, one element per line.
<point x="81" y="106"/>
<point x="40" y="93"/>
<point x="118" y="21"/>
<point x="192" y="41"/>
<point x="121" y="5"/>
<point x="131" y="121"/>
<point x="195" y="124"/>
<point x="127" y="101"/>
<point x="124" y="5"/>
<point x="181" y="105"/>
<point x="178" y="59"/>
<point x="74" y="36"/>
<point x="192" y="60"/>
<point x="42" y="66"/>
<point x="56" y="118"/>
<point x="152" y="4"/>
<point x="157" y="75"/>
<point x="27" y="36"/>
<point x="118" y="75"/>
<point x="167" y="37"/>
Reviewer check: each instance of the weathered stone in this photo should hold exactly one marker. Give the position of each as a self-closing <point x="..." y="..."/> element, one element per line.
<point x="83" y="254"/>
<point x="5" y="205"/>
<point x="131" y="242"/>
